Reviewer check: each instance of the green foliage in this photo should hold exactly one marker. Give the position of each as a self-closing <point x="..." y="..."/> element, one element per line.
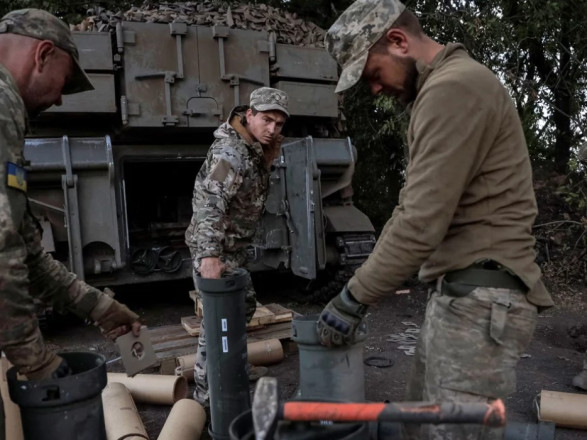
<point x="537" y="48"/>
<point x="374" y="127"/>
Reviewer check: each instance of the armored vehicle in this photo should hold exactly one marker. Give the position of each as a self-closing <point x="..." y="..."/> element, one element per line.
<point x="111" y="171"/>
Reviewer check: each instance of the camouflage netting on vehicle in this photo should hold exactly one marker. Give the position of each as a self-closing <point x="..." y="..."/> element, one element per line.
<point x="286" y="26"/>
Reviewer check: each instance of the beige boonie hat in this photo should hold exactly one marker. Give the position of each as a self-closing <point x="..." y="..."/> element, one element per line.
<point x="42" y="25"/>
<point x="358" y="28"/>
<point x="266" y="98"/>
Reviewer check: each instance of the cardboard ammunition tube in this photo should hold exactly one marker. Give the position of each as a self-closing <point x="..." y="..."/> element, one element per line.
<point x="12" y="418"/>
<point x="121" y="416"/>
<point x="153" y="388"/>
<point x="563" y="409"/>
<point x="185" y="421"/>
<point x="265" y="352"/>
<point x="188" y="374"/>
<point x="186" y="362"/>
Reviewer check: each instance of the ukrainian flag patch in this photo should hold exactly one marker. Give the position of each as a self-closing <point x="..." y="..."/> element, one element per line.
<point x="16" y="177"/>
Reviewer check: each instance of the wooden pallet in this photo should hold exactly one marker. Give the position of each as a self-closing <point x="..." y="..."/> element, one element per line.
<point x="264" y="315"/>
<point x="170" y="341"/>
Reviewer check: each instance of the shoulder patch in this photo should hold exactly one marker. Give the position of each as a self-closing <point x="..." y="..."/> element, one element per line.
<point x="220" y="171"/>
<point x="16" y="177"/>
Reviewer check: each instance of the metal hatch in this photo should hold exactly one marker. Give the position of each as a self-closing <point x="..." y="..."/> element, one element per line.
<point x="304" y="202"/>
<point x="188" y="76"/>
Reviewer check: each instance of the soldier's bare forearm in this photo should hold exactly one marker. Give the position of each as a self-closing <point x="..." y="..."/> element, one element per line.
<point x="211" y="267"/>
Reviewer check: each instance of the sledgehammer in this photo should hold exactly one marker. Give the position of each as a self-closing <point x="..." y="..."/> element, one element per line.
<point x="267" y="411"/>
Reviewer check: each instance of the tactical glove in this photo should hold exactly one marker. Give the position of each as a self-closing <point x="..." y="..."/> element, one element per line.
<point x="340" y="320"/>
<point x="114" y="318"/>
<point x="55" y="368"/>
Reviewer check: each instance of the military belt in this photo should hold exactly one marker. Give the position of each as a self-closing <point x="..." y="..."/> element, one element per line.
<point x="462" y="282"/>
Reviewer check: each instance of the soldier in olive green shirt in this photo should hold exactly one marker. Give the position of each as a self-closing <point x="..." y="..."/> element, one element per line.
<point x="464" y="217"/>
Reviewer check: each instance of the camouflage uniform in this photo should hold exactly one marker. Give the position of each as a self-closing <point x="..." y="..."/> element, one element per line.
<point x="229" y="199"/>
<point x="26" y="271"/>
<point x="464" y="220"/>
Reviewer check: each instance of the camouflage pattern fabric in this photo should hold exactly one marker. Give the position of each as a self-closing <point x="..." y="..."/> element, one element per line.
<point x="473" y="344"/>
<point x="265" y="99"/>
<point x="42" y="25"/>
<point x="26" y="271"/>
<point x="357" y="29"/>
<point x="229" y="198"/>
<point x="229" y="194"/>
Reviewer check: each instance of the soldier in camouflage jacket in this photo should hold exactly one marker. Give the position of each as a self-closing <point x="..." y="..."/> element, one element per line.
<point x="38" y="63"/>
<point x="229" y="197"/>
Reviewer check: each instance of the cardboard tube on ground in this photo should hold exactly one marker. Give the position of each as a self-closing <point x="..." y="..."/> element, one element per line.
<point x="11" y="409"/>
<point x="186" y="362"/>
<point x="153" y="388"/>
<point x="188" y="374"/>
<point x="265" y="352"/>
<point x="121" y="417"/>
<point x="185" y="421"/>
<point x="258" y="353"/>
<point x="563" y="409"/>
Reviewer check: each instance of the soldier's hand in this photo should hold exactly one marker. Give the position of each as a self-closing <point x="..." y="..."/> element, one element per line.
<point x="115" y="319"/>
<point x="55" y="368"/>
<point x="340" y="320"/>
<point x="211" y="267"/>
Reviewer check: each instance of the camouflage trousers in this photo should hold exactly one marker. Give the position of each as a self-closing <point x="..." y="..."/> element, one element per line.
<point x="468" y="350"/>
<point x="201" y="393"/>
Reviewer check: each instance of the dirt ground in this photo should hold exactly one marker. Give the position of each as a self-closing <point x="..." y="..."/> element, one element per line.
<point x="552" y="359"/>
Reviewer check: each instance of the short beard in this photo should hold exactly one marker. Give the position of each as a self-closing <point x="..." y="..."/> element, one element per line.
<point x="410" y="90"/>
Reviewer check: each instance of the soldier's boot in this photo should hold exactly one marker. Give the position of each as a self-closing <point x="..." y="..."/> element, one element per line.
<point x="580" y="380"/>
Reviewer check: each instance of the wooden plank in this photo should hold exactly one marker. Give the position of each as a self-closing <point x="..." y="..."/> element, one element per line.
<point x="162" y="332"/>
<point x="280" y="313"/>
<point x="262" y="316"/>
<point x="188" y="342"/>
<point x="278" y="331"/>
<point x="191" y="324"/>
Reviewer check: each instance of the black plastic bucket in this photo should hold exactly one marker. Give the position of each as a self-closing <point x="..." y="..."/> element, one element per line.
<point x="242" y="428"/>
<point x="69" y="408"/>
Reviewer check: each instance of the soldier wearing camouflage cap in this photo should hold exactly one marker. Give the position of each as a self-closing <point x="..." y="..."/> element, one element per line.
<point x="229" y="198"/>
<point x="464" y="217"/>
<point x="38" y="62"/>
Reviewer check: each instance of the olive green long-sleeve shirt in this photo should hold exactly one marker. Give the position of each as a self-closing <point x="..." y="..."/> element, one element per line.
<point x="468" y="193"/>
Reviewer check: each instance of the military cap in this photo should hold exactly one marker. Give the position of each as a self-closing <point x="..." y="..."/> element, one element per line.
<point x="42" y="25"/>
<point x="352" y="35"/>
<point x="266" y="98"/>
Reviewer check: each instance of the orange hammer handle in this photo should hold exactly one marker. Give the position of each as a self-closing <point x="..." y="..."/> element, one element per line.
<point x="337" y="412"/>
<point x="451" y="412"/>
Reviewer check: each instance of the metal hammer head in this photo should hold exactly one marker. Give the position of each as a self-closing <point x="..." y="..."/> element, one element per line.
<point x="265" y="408"/>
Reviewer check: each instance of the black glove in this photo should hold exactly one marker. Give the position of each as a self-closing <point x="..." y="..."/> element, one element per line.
<point x="55" y="368"/>
<point x="340" y="319"/>
<point x="62" y="370"/>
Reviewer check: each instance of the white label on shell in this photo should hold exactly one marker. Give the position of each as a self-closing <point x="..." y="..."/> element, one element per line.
<point x="224" y="344"/>
<point x="224" y="324"/>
